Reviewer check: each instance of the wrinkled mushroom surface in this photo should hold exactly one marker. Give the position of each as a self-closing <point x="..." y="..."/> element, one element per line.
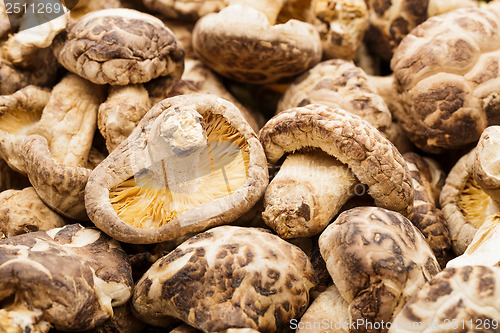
<point x="254" y="279"/>
<point x="191" y="163"/>
<point x="119" y="47"/>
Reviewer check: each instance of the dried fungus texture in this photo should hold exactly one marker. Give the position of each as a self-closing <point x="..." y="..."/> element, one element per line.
<point x="426" y="215"/>
<point x="190" y="10"/>
<point x="486" y="166"/>
<point x="447" y="73"/>
<point x="378" y="260"/>
<point x="254" y="50"/>
<point x="341" y="25"/>
<point x="119" y="47"/>
<point x="227" y="277"/>
<point x="352" y="140"/>
<point x="22" y="211"/>
<point x="67" y="277"/>
<point x="458" y="299"/>
<point x="121" y="112"/>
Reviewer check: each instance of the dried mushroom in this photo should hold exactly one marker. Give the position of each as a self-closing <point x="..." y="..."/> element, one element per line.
<point x="185" y="9"/>
<point x="457" y="299"/>
<point x="192" y="162"/>
<point x="330" y="152"/>
<point x="426" y="216"/>
<point x="341" y="25"/>
<point x="378" y="260"/>
<point x="121" y="112"/>
<point x="69" y="278"/>
<point x="119" y="47"/>
<point x="23" y="211"/>
<point x="256" y="50"/>
<point x="253" y="279"/>
<point x="446" y="70"/>
<point x="83" y="7"/>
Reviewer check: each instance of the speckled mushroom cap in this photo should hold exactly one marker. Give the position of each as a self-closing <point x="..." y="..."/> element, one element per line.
<point x="69" y="277"/>
<point x="119" y="47"/>
<point x="340" y="84"/>
<point x="353" y="141"/>
<point x="447" y="72"/>
<point x="23" y="211"/>
<point x="254" y="51"/>
<point x="192" y="162"/>
<point x="378" y="260"/>
<point x="185" y="9"/>
<point x="467" y="296"/>
<point x="227" y="277"/>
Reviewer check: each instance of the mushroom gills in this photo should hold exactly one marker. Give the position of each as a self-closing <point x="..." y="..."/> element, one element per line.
<point x="19" y="121"/>
<point x="307" y="192"/>
<point x="187" y="177"/>
<point x="474" y="203"/>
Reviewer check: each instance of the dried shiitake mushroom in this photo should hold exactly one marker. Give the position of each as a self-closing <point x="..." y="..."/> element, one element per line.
<point x="185" y="9"/>
<point x="69" y="278"/>
<point x="255" y="50"/>
<point x="227" y="277"/>
<point x="378" y="260"/>
<point x="83" y="7"/>
<point x="119" y="47"/>
<point x="457" y="299"/>
<point x="23" y="211"/>
<point x="330" y="152"/>
<point x="447" y="71"/>
<point x="192" y="162"/>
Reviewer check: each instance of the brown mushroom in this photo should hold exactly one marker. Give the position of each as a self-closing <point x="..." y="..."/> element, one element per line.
<point x="255" y="50"/>
<point x="119" y="47"/>
<point x="378" y="261"/>
<point x="330" y="151"/>
<point x="457" y="299"/>
<point x="83" y="7"/>
<point x="69" y="278"/>
<point x="253" y="279"/>
<point x="190" y="10"/>
<point x="23" y="211"/>
<point x="428" y="180"/>
<point x="193" y="162"/>
<point x="446" y="71"/>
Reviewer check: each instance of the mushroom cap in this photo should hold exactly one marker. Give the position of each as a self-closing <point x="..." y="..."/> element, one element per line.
<point x="23" y="211"/>
<point x="190" y="10"/>
<point x="340" y="84"/>
<point x="227" y="277"/>
<point x="468" y="295"/>
<point x="486" y="164"/>
<point x="447" y="72"/>
<point x="162" y="208"/>
<point x="119" y="47"/>
<point x="353" y="141"/>
<point x="377" y="259"/>
<point x="241" y="44"/>
<point x="74" y="275"/>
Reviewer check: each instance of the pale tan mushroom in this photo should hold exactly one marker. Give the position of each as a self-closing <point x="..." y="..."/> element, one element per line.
<point x="255" y="50"/>
<point x="23" y="211"/>
<point x="330" y="152"/>
<point x="226" y="278"/>
<point x="190" y="10"/>
<point x="192" y="162"/>
<point x="378" y="260"/>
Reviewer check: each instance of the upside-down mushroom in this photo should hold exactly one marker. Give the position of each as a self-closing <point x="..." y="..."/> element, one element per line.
<point x="227" y="278"/>
<point x="256" y="50"/>
<point x="69" y="278"/>
<point x="192" y="162"/>
<point x="378" y="260"/>
<point x="119" y="46"/>
<point x="330" y="152"/>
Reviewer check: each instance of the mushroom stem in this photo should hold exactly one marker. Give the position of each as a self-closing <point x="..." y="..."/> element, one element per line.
<point x="270" y="8"/>
<point x="308" y="191"/>
<point x="17" y="319"/>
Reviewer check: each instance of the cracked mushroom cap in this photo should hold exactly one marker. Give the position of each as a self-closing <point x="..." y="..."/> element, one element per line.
<point x="192" y="162"/>
<point x="190" y="10"/>
<point x="68" y="277"/>
<point x="241" y="43"/>
<point x="447" y="70"/>
<point x="350" y="139"/>
<point x="227" y="277"/>
<point x="378" y="260"/>
<point x="468" y="295"/>
<point x="119" y="47"/>
<point x="22" y="211"/>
